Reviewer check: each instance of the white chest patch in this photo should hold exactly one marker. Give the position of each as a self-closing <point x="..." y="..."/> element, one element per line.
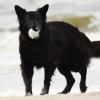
<point x="33" y="34"/>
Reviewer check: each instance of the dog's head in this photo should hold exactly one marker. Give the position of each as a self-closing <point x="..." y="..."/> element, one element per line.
<point x="31" y="22"/>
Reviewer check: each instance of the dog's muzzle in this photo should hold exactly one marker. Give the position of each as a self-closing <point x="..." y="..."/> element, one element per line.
<point x="35" y="28"/>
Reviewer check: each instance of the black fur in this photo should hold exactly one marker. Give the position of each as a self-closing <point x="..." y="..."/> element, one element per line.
<point x="60" y="45"/>
<point x="96" y="48"/>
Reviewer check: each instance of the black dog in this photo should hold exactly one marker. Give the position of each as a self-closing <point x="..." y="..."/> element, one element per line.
<point x="53" y="45"/>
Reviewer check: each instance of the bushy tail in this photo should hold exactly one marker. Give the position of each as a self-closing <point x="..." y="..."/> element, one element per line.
<point x="96" y="48"/>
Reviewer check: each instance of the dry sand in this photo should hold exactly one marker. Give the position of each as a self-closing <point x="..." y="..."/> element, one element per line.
<point x="85" y="96"/>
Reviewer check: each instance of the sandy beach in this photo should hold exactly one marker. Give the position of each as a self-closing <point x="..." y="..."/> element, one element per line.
<point x="85" y="96"/>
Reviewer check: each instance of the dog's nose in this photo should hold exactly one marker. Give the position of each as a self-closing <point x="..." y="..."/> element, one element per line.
<point x="36" y="28"/>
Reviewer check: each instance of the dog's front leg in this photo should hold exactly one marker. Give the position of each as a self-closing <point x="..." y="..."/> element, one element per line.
<point x="27" y="73"/>
<point x="49" y="71"/>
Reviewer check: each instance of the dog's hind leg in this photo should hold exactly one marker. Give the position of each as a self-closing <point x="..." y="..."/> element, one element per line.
<point x="27" y="73"/>
<point x="69" y="78"/>
<point x="83" y="86"/>
<point x="49" y="71"/>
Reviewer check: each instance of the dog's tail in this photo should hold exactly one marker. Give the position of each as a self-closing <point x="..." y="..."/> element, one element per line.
<point x="96" y="48"/>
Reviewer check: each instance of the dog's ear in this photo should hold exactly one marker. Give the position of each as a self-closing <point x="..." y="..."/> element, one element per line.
<point x="20" y="11"/>
<point x="44" y="9"/>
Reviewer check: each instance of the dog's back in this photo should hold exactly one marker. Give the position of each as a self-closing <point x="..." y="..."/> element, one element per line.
<point x="69" y="43"/>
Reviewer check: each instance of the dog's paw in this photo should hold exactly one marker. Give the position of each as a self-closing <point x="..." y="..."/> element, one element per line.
<point x="28" y="94"/>
<point x="44" y="91"/>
